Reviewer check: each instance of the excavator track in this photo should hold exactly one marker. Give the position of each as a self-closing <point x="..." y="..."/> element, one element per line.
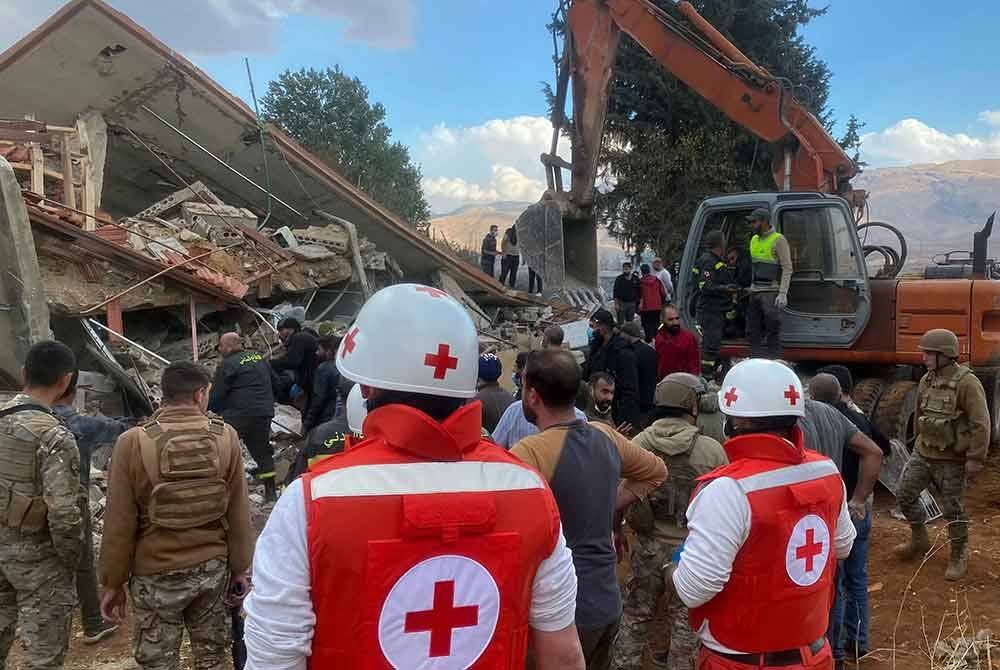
<point x="895" y="412"/>
<point x="866" y="394"/>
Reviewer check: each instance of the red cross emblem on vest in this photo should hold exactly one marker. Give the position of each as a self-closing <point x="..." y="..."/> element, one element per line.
<point x="442" y="361"/>
<point x="808" y="550"/>
<point x="442" y="613"/>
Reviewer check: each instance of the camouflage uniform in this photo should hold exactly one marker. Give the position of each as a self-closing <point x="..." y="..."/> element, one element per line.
<point x="167" y="603"/>
<point x="660" y="527"/>
<point x="41" y="537"/>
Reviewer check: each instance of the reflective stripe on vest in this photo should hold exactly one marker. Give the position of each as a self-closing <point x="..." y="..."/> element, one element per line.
<point x="415" y="478"/>
<point x="793" y="474"/>
<point x="765" y="266"/>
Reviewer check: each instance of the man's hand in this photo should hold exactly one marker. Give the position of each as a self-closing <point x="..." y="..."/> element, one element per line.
<point x="113" y="605"/>
<point x="625" y="428"/>
<point x="972" y="470"/>
<point x="857" y="508"/>
<point x="239" y="587"/>
<point x="781" y="301"/>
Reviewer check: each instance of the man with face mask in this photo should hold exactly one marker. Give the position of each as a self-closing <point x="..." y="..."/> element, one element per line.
<point x="772" y="272"/>
<point x="676" y="347"/>
<point x="610" y="353"/>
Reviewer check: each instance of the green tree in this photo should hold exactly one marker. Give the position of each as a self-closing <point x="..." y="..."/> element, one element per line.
<point x="328" y="112"/>
<point x="851" y="140"/>
<point x="665" y="149"/>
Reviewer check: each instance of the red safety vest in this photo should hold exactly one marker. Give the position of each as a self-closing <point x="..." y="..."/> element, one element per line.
<point x="780" y="591"/>
<point x="424" y="541"/>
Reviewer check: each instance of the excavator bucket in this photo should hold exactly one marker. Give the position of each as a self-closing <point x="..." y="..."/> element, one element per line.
<point x="562" y="250"/>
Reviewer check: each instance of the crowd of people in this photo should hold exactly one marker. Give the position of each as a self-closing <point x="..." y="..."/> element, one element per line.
<point x="435" y="519"/>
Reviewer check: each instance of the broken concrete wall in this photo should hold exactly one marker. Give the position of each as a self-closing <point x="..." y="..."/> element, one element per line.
<point x="24" y="313"/>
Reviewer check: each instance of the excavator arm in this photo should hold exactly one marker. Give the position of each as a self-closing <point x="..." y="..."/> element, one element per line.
<point x="807" y="157"/>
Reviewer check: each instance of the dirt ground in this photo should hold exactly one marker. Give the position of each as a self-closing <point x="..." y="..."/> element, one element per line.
<point x="912" y="606"/>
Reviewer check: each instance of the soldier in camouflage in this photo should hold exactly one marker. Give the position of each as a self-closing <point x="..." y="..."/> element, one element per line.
<point x="177" y="527"/>
<point x="41" y="522"/>
<point x="660" y="523"/>
<point x="952" y="423"/>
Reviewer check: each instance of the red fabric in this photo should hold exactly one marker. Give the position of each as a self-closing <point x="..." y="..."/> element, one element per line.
<point x="677" y="353"/>
<point x="709" y="660"/>
<point x="360" y="547"/>
<point x="651" y="293"/>
<point x="761" y="609"/>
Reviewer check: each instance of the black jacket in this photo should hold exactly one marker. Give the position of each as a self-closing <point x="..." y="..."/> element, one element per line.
<point x="645" y="364"/>
<point x="626" y="287"/>
<point x="324" y="398"/>
<point x="242" y="387"/>
<point x="325" y="439"/>
<point x="617" y="358"/>
<point x="852" y="464"/>
<point x="713" y="279"/>
<point x="300" y="358"/>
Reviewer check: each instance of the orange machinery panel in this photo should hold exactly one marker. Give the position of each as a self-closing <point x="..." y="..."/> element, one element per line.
<point x="924" y="304"/>
<point x="985" y="338"/>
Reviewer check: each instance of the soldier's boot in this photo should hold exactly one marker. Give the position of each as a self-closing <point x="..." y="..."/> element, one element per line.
<point x="958" y="564"/>
<point x="918" y="545"/>
<point x="270" y="490"/>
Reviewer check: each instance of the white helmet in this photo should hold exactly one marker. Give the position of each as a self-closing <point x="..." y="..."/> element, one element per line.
<point x="357" y="410"/>
<point x="412" y="338"/>
<point x="758" y="387"/>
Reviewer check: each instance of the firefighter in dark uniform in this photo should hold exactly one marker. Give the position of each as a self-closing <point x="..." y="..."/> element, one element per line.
<point x="716" y="282"/>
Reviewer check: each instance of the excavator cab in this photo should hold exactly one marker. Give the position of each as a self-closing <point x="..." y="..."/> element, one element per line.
<point x="829" y="299"/>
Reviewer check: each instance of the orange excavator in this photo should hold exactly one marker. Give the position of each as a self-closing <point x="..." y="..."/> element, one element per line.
<point x="836" y="313"/>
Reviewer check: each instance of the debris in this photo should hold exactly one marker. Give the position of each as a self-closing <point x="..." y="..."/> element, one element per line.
<point x="875" y="588"/>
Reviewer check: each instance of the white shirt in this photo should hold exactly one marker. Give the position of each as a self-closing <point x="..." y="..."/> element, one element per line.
<point x="718" y="525"/>
<point x="668" y="285"/>
<point x="279" y="613"/>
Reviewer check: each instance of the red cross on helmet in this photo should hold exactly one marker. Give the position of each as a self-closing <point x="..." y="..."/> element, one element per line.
<point x="415" y="339"/>
<point x="758" y="387"/>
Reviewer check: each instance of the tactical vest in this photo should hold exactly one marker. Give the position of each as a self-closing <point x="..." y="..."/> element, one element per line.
<point x="22" y="506"/>
<point x="669" y="503"/>
<point x="766" y="269"/>
<point x="941" y="423"/>
<point x="186" y="469"/>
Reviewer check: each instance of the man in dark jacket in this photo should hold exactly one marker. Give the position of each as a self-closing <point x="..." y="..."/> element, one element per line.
<point x="326" y="380"/>
<point x="612" y="354"/>
<point x="488" y="252"/>
<point x="645" y="365"/>
<point x="626" y="293"/>
<point x="296" y="367"/>
<point x="326" y="439"/>
<point x="495" y="398"/>
<point x="716" y="284"/>
<point x="242" y="393"/>
<point x="90" y="433"/>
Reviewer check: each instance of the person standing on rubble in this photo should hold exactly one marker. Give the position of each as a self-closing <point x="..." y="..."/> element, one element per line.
<point x="764" y="533"/>
<point x="660" y="522"/>
<point x="361" y="564"/>
<point x="325" y="398"/>
<point x="296" y="367"/>
<point x="952" y="422"/>
<point x="242" y="393"/>
<point x="595" y="473"/>
<point x="488" y="252"/>
<point x="177" y="527"/>
<point x="90" y="432"/>
<point x="41" y="522"/>
<point x="511" y="257"/>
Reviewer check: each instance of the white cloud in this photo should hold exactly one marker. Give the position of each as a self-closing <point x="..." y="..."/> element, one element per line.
<point x="990" y="116"/>
<point x="225" y="26"/>
<point x="496" y="160"/>
<point x="913" y="141"/>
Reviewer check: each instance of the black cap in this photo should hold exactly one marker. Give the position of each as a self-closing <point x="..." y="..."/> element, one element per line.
<point x="758" y="214"/>
<point x="290" y="323"/>
<point x="603" y="317"/>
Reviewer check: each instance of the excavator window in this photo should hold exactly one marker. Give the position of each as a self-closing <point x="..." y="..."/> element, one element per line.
<point x="826" y="271"/>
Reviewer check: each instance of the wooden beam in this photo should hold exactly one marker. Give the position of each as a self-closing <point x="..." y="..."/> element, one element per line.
<point x="37" y="164"/>
<point x="115" y="319"/>
<point x="194" y="328"/>
<point x="69" y="191"/>
<point x="89" y="198"/>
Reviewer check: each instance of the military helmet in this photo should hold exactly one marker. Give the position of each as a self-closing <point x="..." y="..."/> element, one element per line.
<point x="679" y="390"/>
<point x="940" y="340"/>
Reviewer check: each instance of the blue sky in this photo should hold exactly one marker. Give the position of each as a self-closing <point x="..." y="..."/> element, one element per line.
<point x="461" y="79"/>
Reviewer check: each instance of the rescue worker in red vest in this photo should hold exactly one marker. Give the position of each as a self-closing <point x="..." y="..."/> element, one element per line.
<point x="764" y="533"/>
<point x="424" y="545"/>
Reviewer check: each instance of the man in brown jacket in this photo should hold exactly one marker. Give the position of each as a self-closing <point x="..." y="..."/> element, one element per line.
<point x="177" y="527"/>
<point x="595" y="473"/>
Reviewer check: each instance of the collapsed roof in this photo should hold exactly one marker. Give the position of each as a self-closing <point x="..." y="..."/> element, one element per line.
<point x="90" y="57"/>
